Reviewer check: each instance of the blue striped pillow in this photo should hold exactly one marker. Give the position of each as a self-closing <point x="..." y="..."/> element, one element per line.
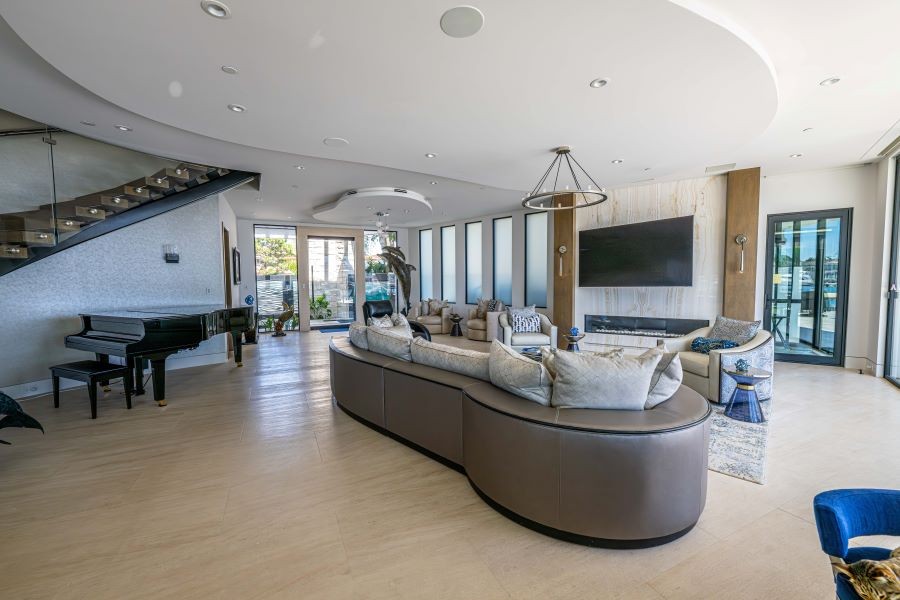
<point x="705" y="345"/>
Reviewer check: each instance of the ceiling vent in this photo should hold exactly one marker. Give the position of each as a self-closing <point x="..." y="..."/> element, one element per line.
<point x="720" y="168"/>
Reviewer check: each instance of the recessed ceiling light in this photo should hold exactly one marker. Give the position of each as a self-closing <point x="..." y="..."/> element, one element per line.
<point x="335" y="142"/>
<point x="618" y="161"/>
<point x="229" y="69"/>
<point x="433" y="183"/>
<point x="88" y="123"/>
<point x="238" y="108"/>
<point x="300" y="168"/>
<point x="600" y="82"/>
<point x="796" y="155"/>
<point x="123" y="128"/>
<point x="806" y="129"/>
<point x="830" y="81"/>
<point x="216" y="9"/>
<point x="430" y="155"/>
<point x="462" y="21"/>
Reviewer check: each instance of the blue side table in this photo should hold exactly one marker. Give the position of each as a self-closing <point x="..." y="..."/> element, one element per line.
<point x="744" y="404"/>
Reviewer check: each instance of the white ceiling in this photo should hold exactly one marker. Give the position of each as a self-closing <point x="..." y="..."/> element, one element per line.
<point x="692" y="84"/>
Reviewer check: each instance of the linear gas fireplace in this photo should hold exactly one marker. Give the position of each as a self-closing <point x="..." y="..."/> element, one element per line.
<point x="644" y="326"/>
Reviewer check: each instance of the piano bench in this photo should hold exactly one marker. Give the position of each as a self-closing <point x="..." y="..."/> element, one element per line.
<point x="91" y="372"/>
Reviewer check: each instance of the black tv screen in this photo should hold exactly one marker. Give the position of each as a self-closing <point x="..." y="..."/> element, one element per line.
<point x="655" y="253"/>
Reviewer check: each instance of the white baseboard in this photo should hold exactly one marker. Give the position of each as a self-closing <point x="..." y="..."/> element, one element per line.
<point x="33" y="389"/>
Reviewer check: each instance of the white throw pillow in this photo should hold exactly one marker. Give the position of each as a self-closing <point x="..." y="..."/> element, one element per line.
<point x="666" y="378"/>
<point x="591" y="381"/>
<point x="548" y="357"/>
<point x="358" y="336"/>
<point x="399" y="320"/>
<point x="449" y="358"/>
<point x="384" y="321"/>
<point x="390" y="342"/>
<point x="519" y="375"/>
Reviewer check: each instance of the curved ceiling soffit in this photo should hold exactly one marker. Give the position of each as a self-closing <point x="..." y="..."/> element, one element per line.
<point x="695" y="7"/>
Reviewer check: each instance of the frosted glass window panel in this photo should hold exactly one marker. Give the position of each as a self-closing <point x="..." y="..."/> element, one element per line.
<point x="473" y="263"/>
<point x="503" y="260"/>
<point x="536" y="259"/>
<point x="426" y="265"/>
<point x="448" y="263"/>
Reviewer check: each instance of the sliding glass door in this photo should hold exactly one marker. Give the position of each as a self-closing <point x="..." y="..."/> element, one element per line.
<point x="332" y="280"/>
<point x="807" y="270"/>
<point x="892" y="346"/>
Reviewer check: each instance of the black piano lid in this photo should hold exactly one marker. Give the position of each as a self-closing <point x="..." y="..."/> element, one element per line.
<point x="162" y="312"/>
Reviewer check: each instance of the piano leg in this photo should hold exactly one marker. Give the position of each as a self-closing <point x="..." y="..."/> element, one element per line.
<point x="236" y="337"/>
<point x="138" y="376"/>
<point x="159" y="380"/>
<point x="104" y="360"/>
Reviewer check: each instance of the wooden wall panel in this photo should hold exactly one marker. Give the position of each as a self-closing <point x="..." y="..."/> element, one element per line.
<point x="564" y="274"/>
<point x="742" y="217"/>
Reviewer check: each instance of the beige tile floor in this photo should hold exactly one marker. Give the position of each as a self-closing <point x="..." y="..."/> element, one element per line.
<point x="250" y="484"/>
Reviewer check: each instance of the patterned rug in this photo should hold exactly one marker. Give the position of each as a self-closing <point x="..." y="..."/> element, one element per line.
<point x="737" y="448"/>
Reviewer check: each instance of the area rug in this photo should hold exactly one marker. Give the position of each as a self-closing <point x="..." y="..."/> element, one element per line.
<point x="736" y="448"/>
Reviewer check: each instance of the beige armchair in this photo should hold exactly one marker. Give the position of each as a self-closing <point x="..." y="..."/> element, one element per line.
<point x="703" y="372"/>
<point x="547" y="336"/>
<point x="485" y="329"/>
<point x="436" y="324"/>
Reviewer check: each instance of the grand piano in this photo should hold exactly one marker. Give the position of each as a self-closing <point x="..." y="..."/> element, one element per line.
<point x="156" y="333"/>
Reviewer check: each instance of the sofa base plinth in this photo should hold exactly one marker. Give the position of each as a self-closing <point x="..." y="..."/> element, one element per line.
<point x="576" y="538"/>
<point x="432" y="455"/>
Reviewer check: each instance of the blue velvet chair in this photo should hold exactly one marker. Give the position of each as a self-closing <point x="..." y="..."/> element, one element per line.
<point x="845" y="514"/>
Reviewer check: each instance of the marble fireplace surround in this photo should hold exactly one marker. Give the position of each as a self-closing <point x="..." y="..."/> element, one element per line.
<point x="702" y="197"/>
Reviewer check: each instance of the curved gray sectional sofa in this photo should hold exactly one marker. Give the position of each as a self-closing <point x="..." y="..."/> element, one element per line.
<point x="612" y="478"/>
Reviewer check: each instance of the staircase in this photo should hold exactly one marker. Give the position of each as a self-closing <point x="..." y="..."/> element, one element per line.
<point x="39" y="231"/>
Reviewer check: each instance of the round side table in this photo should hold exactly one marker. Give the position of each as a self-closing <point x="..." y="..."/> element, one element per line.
<point x="456" y="331"/>
<point x="744" y="404"/>
<point x="573" y="341"/>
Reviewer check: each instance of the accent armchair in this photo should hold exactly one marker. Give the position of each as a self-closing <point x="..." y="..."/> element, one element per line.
<point x="483" y="329"/>
<point x="845" y="514"/>
<point x="547" y="336"/>
<point x="380" y="308"/>
<point x="439" y="323"/>
<point x="703" y="372"/>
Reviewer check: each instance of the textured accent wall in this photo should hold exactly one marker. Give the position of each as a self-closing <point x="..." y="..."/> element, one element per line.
<point x="702" y="197"/>
<point x="40" y="303"/>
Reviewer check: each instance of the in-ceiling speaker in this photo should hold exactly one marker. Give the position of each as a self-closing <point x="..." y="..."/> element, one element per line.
<point x="462" y="21"/>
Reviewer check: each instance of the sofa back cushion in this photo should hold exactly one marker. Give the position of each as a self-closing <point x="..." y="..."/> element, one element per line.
<point x="737" y="331"/>
<point x="390" y="342"/>
<point x="666" y="378"/>
<point x="519" y="375"/>
<point x="457" y="360"/>
<point x="358" y="336"/>
<point x="592" y="381"/>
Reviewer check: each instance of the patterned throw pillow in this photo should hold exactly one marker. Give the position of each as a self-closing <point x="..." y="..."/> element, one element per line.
<point x="548" y="357"/>
<point x="526" y="322"/>
<point x="399" y="321"/>
<point x="666" y="378"/>
<point x="705" y="345"/>
<point x="435" y="307"/>
<point x="383" y="322"/>
<point x="735" y="330"/>
<point x="518" y="375"/>
<point x="358" y="336"/>
<point x="494" y="305"/>
<point x="481" y="308"/>
<point x="591" y="381"/>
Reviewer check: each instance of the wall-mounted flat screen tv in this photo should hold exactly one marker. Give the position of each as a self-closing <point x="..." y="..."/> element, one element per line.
<point x="651" y="254"/>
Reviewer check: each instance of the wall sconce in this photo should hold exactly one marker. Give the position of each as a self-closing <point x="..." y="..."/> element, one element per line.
<point x="170" y="253"/>
<point x="741" y="239"/>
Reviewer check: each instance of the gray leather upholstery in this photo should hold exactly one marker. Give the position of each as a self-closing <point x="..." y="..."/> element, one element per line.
<point x="603" y="477"/>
